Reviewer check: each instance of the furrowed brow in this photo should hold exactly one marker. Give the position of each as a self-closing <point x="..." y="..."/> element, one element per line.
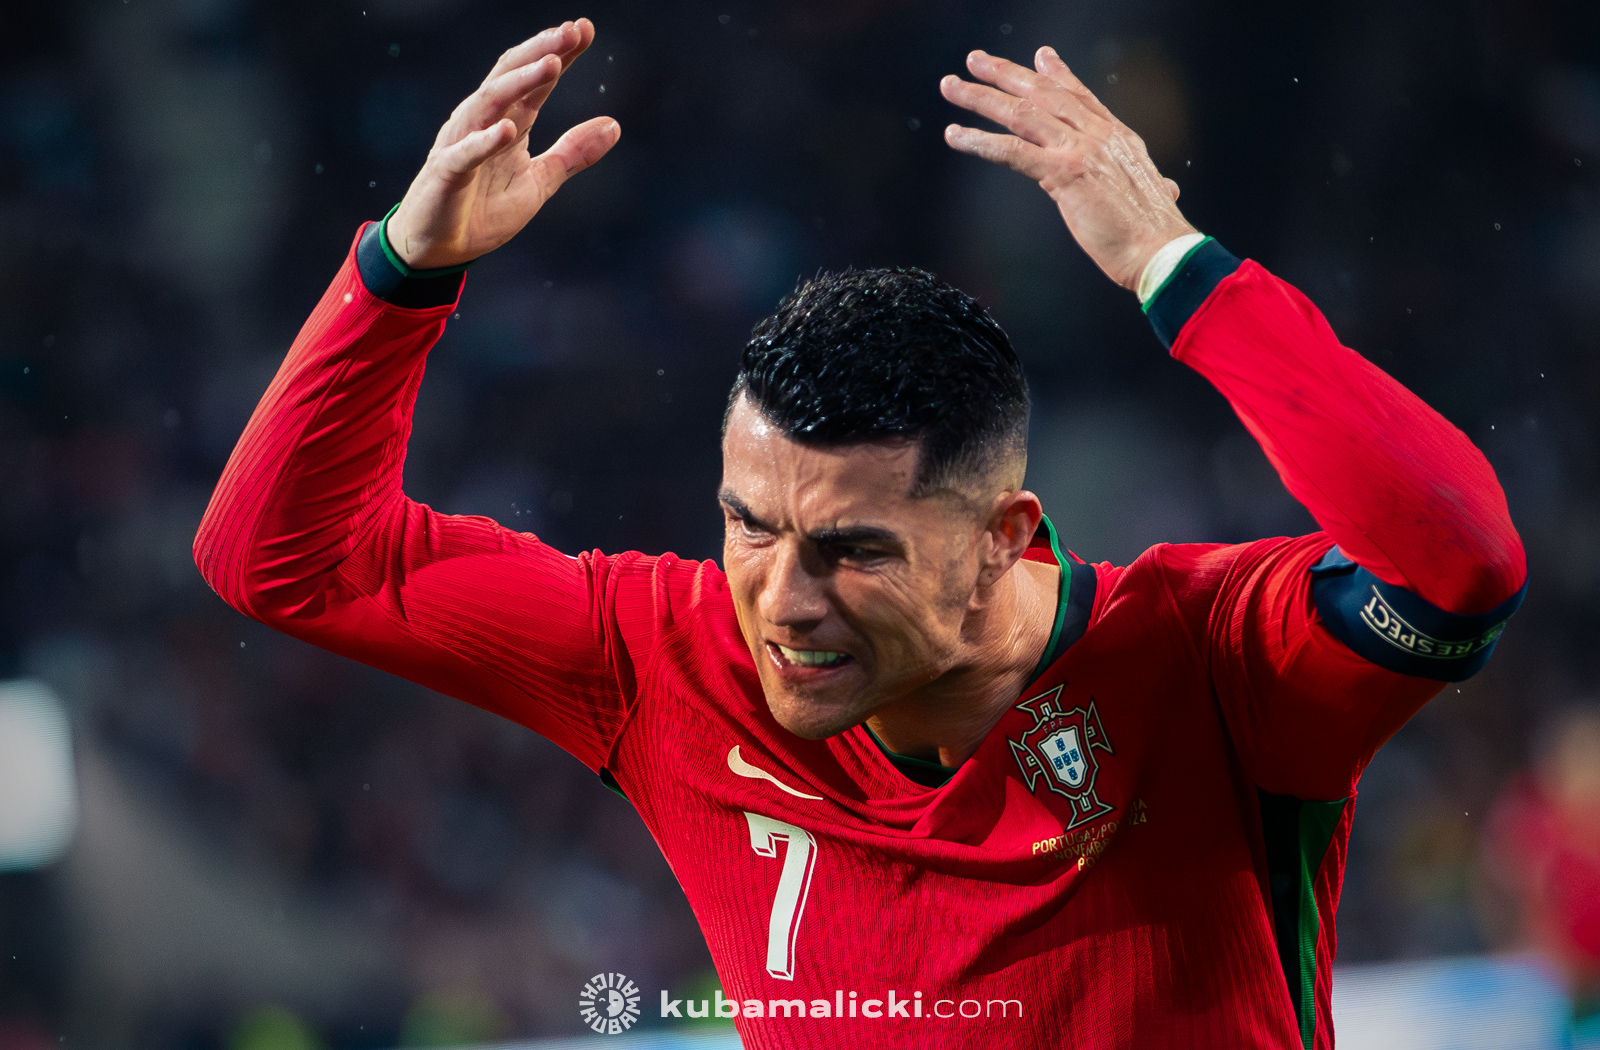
<point x="854" y="534"/>
<point x="728" y="499"/>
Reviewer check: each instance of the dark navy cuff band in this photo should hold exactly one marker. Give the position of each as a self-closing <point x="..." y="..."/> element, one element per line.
<point x="1185" y="290"/>
<point x="388" y="282"/>
<point x="1399" y="631"/>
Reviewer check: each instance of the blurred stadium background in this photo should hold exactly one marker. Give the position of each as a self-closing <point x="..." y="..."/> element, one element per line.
<point x="213" y="836"/>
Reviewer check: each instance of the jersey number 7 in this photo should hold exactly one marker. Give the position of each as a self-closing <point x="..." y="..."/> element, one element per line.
<point x="794" y="882"/>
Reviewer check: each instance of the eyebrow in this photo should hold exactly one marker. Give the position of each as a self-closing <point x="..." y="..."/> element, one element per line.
<point x="850" y="534"/>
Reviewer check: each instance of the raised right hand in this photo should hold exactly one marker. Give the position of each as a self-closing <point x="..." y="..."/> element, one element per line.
<point x="479" y="185"/>
<point x="1115" y="202"/>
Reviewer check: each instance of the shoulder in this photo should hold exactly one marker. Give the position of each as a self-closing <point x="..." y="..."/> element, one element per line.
<point x="1194" y="576"/>
<point x="1208" y="566"/>
<point x="674" y="587"/>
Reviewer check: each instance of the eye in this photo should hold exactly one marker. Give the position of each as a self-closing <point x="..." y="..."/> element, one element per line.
<point x="744" y="527"/>
<point x="851" y="552"/>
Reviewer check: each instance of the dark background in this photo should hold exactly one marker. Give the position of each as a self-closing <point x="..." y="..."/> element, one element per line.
<point x="281" y="849"/>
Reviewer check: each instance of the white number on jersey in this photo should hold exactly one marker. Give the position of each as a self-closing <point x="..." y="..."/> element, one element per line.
<point x="794" y="882"/>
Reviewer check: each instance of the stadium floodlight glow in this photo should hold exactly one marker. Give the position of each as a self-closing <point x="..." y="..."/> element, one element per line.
<point x="38" y="788"/>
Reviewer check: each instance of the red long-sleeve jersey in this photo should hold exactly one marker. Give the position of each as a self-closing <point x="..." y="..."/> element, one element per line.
<point x="1146" y="851"/>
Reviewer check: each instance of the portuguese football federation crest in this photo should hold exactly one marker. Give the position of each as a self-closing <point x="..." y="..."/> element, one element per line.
<point x="1059" y="750"/>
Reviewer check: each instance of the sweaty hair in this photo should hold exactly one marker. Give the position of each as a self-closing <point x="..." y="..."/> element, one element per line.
<point x="875" y="355"/>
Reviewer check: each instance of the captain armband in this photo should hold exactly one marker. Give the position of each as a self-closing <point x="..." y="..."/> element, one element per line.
<point x="1399" y="631"/>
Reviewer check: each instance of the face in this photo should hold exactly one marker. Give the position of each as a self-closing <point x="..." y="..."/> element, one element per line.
<point x="850" y="593"/>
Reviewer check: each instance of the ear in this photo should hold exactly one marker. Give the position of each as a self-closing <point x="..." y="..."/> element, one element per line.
<point x="1012" y="520"/>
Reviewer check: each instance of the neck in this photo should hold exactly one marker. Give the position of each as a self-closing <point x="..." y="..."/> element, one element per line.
<point x="947" y="719"/>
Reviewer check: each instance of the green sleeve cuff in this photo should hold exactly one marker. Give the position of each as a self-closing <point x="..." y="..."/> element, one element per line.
<point x="388" y="277"/>
<point x="398" y="263"/>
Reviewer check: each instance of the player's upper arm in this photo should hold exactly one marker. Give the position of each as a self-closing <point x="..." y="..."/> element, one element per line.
<point x="501" y="620"/>
<point x="1312" y="675"/>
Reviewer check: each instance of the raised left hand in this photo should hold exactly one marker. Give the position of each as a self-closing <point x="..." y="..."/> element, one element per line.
<point x="1117" y="205"/>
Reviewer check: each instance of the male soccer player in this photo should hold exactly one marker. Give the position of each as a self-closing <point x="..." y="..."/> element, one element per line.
<point x="927" y="778"/>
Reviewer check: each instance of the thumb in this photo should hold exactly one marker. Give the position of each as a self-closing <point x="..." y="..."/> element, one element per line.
<point x="1172" y="188"/>
<point x="580" y="147"/>
<point x="472" y="150"/>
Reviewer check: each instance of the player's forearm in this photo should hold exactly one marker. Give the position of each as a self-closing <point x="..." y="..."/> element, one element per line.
<point x="323" y="452"/>
<point x="1402" y="491"/>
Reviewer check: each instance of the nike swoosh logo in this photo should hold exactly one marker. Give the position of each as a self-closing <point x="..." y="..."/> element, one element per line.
<point x="737" y="763"/>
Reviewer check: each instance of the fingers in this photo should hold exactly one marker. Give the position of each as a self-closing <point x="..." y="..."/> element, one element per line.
<point x="558" y="40"/>
<point x="1018" y="115"/>
<point x="1043" y="91"/>
<point x="496" y="96"/>
<point x="1172" y="188"/>
<point x="580" y="147"/>
<point x="1015" y="153"/>
<point x="472" y="150"/>
<point x="1050" y="64"/>
<point x="585" y="38"/>
<point x="526" y="74"/>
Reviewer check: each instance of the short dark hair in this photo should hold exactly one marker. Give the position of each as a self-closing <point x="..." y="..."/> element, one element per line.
<point x="870" y="355"/>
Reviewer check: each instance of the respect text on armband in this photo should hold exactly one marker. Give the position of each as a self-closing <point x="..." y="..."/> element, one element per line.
<point x="1389" y="625"/>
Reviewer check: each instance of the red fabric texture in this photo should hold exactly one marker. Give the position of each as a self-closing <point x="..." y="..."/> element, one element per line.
<point x="1403" y="492"/>
<point x="1127" y="909"/>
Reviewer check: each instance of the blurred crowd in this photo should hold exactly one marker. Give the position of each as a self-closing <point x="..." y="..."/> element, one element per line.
<point x="281" y="850"/>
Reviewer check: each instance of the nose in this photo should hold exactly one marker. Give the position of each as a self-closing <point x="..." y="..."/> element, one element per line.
<point x="792" y="595"/>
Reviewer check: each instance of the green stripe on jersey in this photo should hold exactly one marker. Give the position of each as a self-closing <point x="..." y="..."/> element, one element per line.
<point x="1297" y="834"/>
<point x="1063" y="592"/>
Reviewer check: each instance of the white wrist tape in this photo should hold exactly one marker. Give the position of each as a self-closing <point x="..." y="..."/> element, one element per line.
<point x="1163" y="262"/>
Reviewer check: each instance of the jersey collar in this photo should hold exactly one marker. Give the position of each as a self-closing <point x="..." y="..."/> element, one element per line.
<point x="1074" y="595"/>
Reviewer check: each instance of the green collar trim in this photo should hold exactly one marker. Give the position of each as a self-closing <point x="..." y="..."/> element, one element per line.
<point x="918" y="770"/>
<point x="1064" y="589"/>
<point x="400" y="264"/>
<point x="1144" y="307"/>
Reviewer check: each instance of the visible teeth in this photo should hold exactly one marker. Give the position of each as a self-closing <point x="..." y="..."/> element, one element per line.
<point x="810" y="657"/>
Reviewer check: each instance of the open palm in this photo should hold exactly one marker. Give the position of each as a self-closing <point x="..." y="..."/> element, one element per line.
<point x="480" y="184"/>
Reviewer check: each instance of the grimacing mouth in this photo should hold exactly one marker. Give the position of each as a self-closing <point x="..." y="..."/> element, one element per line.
<point x="811" y="657"/>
